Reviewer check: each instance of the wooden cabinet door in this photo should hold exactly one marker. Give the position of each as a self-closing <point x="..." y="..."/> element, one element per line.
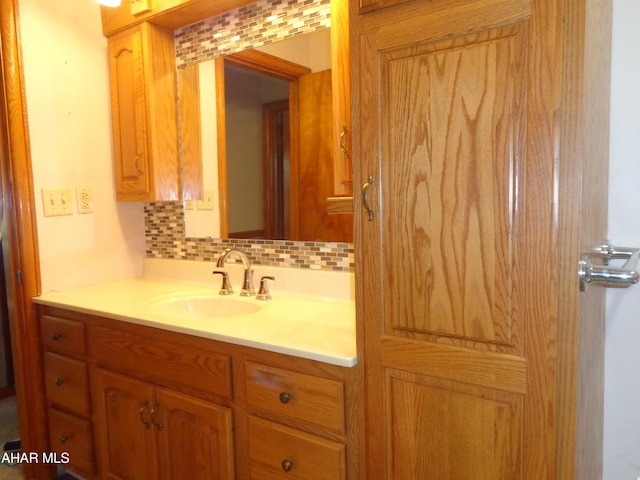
<point x="124" y="427"/>
<point x="195" y="438"/>
<point x="458" y="275"/>
<point x="128" y="111"/>
<point x="314" y="179"/>
<point x="142" y="75"/>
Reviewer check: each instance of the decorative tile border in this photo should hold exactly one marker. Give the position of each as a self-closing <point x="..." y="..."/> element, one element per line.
<point x="249" y="26"/>
<point x="256" y="24"/>
<point x="164" y="231"/>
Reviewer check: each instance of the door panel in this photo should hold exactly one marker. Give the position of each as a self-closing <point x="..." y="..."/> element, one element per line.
<point x="452" y="128"/>
<point x="430" y="417"/>
<point x="457" y="311"/>
<point x="195" y="438"/>
<point x="124" y="435"/>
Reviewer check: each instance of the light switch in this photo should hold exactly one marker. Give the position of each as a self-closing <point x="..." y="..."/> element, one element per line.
<point x="207" y="202"/>
<point x="57" y="201"/>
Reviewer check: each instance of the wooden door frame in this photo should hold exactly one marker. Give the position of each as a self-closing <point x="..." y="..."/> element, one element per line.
<point x="270" y="65"/>
<point x="273" y="191"/>
<point x="20" y="245"/>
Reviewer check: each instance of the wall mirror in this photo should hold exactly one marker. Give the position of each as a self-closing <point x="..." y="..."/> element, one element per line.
<point x="258" y="125"/>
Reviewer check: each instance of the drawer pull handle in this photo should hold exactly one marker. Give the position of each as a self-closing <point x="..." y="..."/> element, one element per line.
<point x="285" y="397"/>
<point x="287" y="465"/>
<point x="59" y="382"/>
<point x="63" y="439"/>
<point x="143" y="409"/>
<point x="56" y="336"/>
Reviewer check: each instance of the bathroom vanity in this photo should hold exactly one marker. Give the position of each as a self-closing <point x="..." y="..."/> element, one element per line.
<point x="135" y="391"/>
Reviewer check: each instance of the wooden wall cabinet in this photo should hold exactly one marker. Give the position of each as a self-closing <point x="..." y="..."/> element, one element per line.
<point x="341" y="95"/>
<point x="142" y="74"/>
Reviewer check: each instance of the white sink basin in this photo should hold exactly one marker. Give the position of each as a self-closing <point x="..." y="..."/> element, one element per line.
<point x="204" y="306"/>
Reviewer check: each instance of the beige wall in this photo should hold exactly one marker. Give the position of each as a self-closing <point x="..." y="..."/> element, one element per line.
<point x="66" y="80"/>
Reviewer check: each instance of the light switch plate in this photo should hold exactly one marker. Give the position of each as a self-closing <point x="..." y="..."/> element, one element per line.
<point x="139" y="6"/>
<point x="57" y="201"/>
<point x="207" y="202"/>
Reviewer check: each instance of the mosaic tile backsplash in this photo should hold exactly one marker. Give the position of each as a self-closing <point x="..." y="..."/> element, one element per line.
<point x="249" y="26"/>
<point x="252" y="25"/>
<point x="165" y="236"/>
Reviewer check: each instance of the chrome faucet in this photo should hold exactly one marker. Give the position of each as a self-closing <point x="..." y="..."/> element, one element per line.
<point x="247" y="285"/>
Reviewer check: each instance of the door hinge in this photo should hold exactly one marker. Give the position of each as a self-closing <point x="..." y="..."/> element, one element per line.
<point x="19" y="275"/>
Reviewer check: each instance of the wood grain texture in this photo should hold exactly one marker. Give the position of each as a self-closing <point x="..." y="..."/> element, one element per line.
<point x="311" y="457"/>
<point x="583" y="225"/>
<point x="341" y="99"/>
<point x="20" y="245"/>
<point x="310" y="399"/>
<point x="427" y="417"/>
<point x="142" y="77"/>
<point x="315" y="168"/>
<point x="67" y="383"/>
<point x="326" y="403"/>
<point x="451" y="184"/>
<point x="125" y="445"/>
<point x="473" y="145"/>
<point x="194" y="368"/>
<point x="72" y="435"/>
<point x="196" y="438"/>
<point x="190" y="132"/>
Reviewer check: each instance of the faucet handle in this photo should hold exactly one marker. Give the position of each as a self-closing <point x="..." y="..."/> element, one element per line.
<point x="263" y="291"/>
<point x="225" y="289"/>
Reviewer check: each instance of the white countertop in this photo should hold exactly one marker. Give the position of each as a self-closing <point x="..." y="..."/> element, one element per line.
<point x="312" y="327"/>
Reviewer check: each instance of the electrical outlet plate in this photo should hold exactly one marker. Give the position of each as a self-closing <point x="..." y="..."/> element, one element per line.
<point x="57" y="201"/>
<point x="84" y="199"/>
<point x="139" y="6"/>
<point x="207" y="202"/>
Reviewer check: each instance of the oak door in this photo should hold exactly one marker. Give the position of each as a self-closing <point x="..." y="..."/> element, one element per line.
<point x="459" y="112"/>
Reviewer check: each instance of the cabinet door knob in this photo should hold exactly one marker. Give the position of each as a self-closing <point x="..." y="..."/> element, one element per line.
<point x="59" y="382"/>
<point x="287" y="465"/>
<point x="63" y="439"/>
<point x="56" y="336"/>
<point x="285" y="397"/>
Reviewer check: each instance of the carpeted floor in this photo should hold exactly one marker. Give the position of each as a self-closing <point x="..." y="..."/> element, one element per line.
<point x="9" y="431"/>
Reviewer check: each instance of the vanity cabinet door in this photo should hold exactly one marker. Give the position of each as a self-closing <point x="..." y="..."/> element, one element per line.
<point x="148" y="432"/>
<point x="144" y="114"/>
<point x="195" y="438"/>
<point x="125" y="440"/>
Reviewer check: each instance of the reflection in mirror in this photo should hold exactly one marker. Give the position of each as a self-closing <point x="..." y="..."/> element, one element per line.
<point x="265" y="144"/>
<point x="257" y="132"/>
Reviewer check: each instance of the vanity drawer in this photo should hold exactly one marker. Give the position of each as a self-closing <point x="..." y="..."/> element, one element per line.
<point x="297" y="396"/>
<point x="62" y="335"/>
<point x="277" y="451"/>
<point x="71" y="435"/>
<point x="66" y="383"/>
<point x="162" y="360"/>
